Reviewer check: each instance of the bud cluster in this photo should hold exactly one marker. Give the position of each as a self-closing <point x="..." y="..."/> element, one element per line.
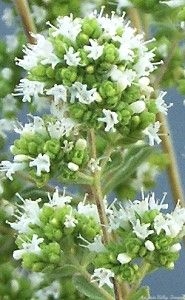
<point x="46" y="145"/>
<point x="49" y="233"/>
<point x="144" y="235"/>
<point x="98" y="67"/>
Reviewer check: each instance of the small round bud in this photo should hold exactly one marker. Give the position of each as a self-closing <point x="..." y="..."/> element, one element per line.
<point x="138" y="106"/>
<point x="124" y="258"/>
<point x="176" y="247"/>
<point x="73" y="167"/>
<point x="81" y="144"/>
<point x="149" y="245"/>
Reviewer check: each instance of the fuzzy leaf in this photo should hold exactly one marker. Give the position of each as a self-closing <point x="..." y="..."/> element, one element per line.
<point x="124" y="169"/>
<point x="87" y="288"/>
<point x="142" y="294"/>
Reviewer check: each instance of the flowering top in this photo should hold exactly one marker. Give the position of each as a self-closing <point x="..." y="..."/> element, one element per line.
<point x="98" y="67"/>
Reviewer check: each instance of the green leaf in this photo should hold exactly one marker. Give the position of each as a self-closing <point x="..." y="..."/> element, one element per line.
<point x="121" y="172"/>
<point x="142" y="294"/>
<point x="87" y="288"/>
<point x="67" y="270"/>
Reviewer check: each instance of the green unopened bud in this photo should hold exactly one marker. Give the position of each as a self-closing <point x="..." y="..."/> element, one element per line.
<point x="135" y="120"/>
<point x="108" y="89"/>
<point x="82" y="39"/>
<point x="52" y="147"/>
<point x="32" y="148"/>
<point x="69" y="74"/>
<point x="110" y="53"/>
<point x="50" y="72"/>
<point x="146" y="119"/>
<point x="90" y="69"/>
<point x="60" y="47"/>
<point x="39" y="71"/>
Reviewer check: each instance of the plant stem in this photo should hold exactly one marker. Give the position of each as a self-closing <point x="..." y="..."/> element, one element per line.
<point x="98" y="196"/>
<point x="97" y="191"/>
<point x="173" y="173"/>
<point x="172" y="169"/>
<point x="27" y="20"/>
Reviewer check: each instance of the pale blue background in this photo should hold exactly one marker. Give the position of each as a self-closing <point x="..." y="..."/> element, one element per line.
<point x="164" y="284"/>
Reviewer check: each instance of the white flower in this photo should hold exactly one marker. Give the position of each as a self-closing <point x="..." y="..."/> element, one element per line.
<point x="102" y="276"/>
<point x="72" y="58"/>
<point x="37" y="126"/>
<point x="83" y="95"/>
<point x="68" y="146"/>
<point x="89" y="210"/>
<point x="161" y="105"/>
<point x="148" y="202"/>
<point x="29" y="214"/>
<point x="124" y="78"/>
<point x="160" y="223"/>
<point x="11" y="167"/>
<point x="28" y="89"/>
<point x="31" y="246"/>
<point x="8" y="16"/>
<point x="111" y="119"/>
<point x="173" y="3"/>
<point x="144" y="65"/>
<point x="95" y="50"/>
<point x="67" y="27"/>
<point x="111" y="24"/>
<point x="73" y="167"/>
<point x="149" y="246"/>
<point x="38" y="13"/>
<point x="42" y="52"/>
<point x="151" y="131"/>
<point x="61" y="128"/>
<point x="42" y="163"/>
<point x="124" y="258"/>
<point x="58" y="200"/>
<point x="59" y="92"/>
<point x="138" y="106"/>
<point x="93" y="165"/>
<point x="141" y="230"/>
<point x="70" y="221"/>
<point x="96" y="246"/>
<point x="144" y="83"/>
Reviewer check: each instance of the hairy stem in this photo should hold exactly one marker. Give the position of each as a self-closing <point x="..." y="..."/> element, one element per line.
<point x="119" y="291"/>
<point x="27" y="20"/>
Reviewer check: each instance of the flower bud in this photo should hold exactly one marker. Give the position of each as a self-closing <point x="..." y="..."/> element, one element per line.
<point x="124" y="258"/>
<point x="73" y="167"/>
<point x="138" y="106"/>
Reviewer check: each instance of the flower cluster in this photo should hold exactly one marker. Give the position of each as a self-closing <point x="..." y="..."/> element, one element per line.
<point x="43" y="145"/>
<point x="98" y="67"/>
<point x="144" y="235"/>
<point x="48" y="232"/>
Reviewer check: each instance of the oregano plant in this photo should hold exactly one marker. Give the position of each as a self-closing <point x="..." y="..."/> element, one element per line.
<point x="78" y="216"/>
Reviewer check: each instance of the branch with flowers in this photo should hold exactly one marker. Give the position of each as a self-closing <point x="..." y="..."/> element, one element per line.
<point x="93" y="88"/>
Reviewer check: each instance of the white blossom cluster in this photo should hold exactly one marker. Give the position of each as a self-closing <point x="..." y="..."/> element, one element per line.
<point x="130" y="217"/>
<point x="54" y="129"/>
<point x="118" y="48"/>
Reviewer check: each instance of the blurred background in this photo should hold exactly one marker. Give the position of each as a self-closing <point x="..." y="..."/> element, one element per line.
<point x="163" y="284"/>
